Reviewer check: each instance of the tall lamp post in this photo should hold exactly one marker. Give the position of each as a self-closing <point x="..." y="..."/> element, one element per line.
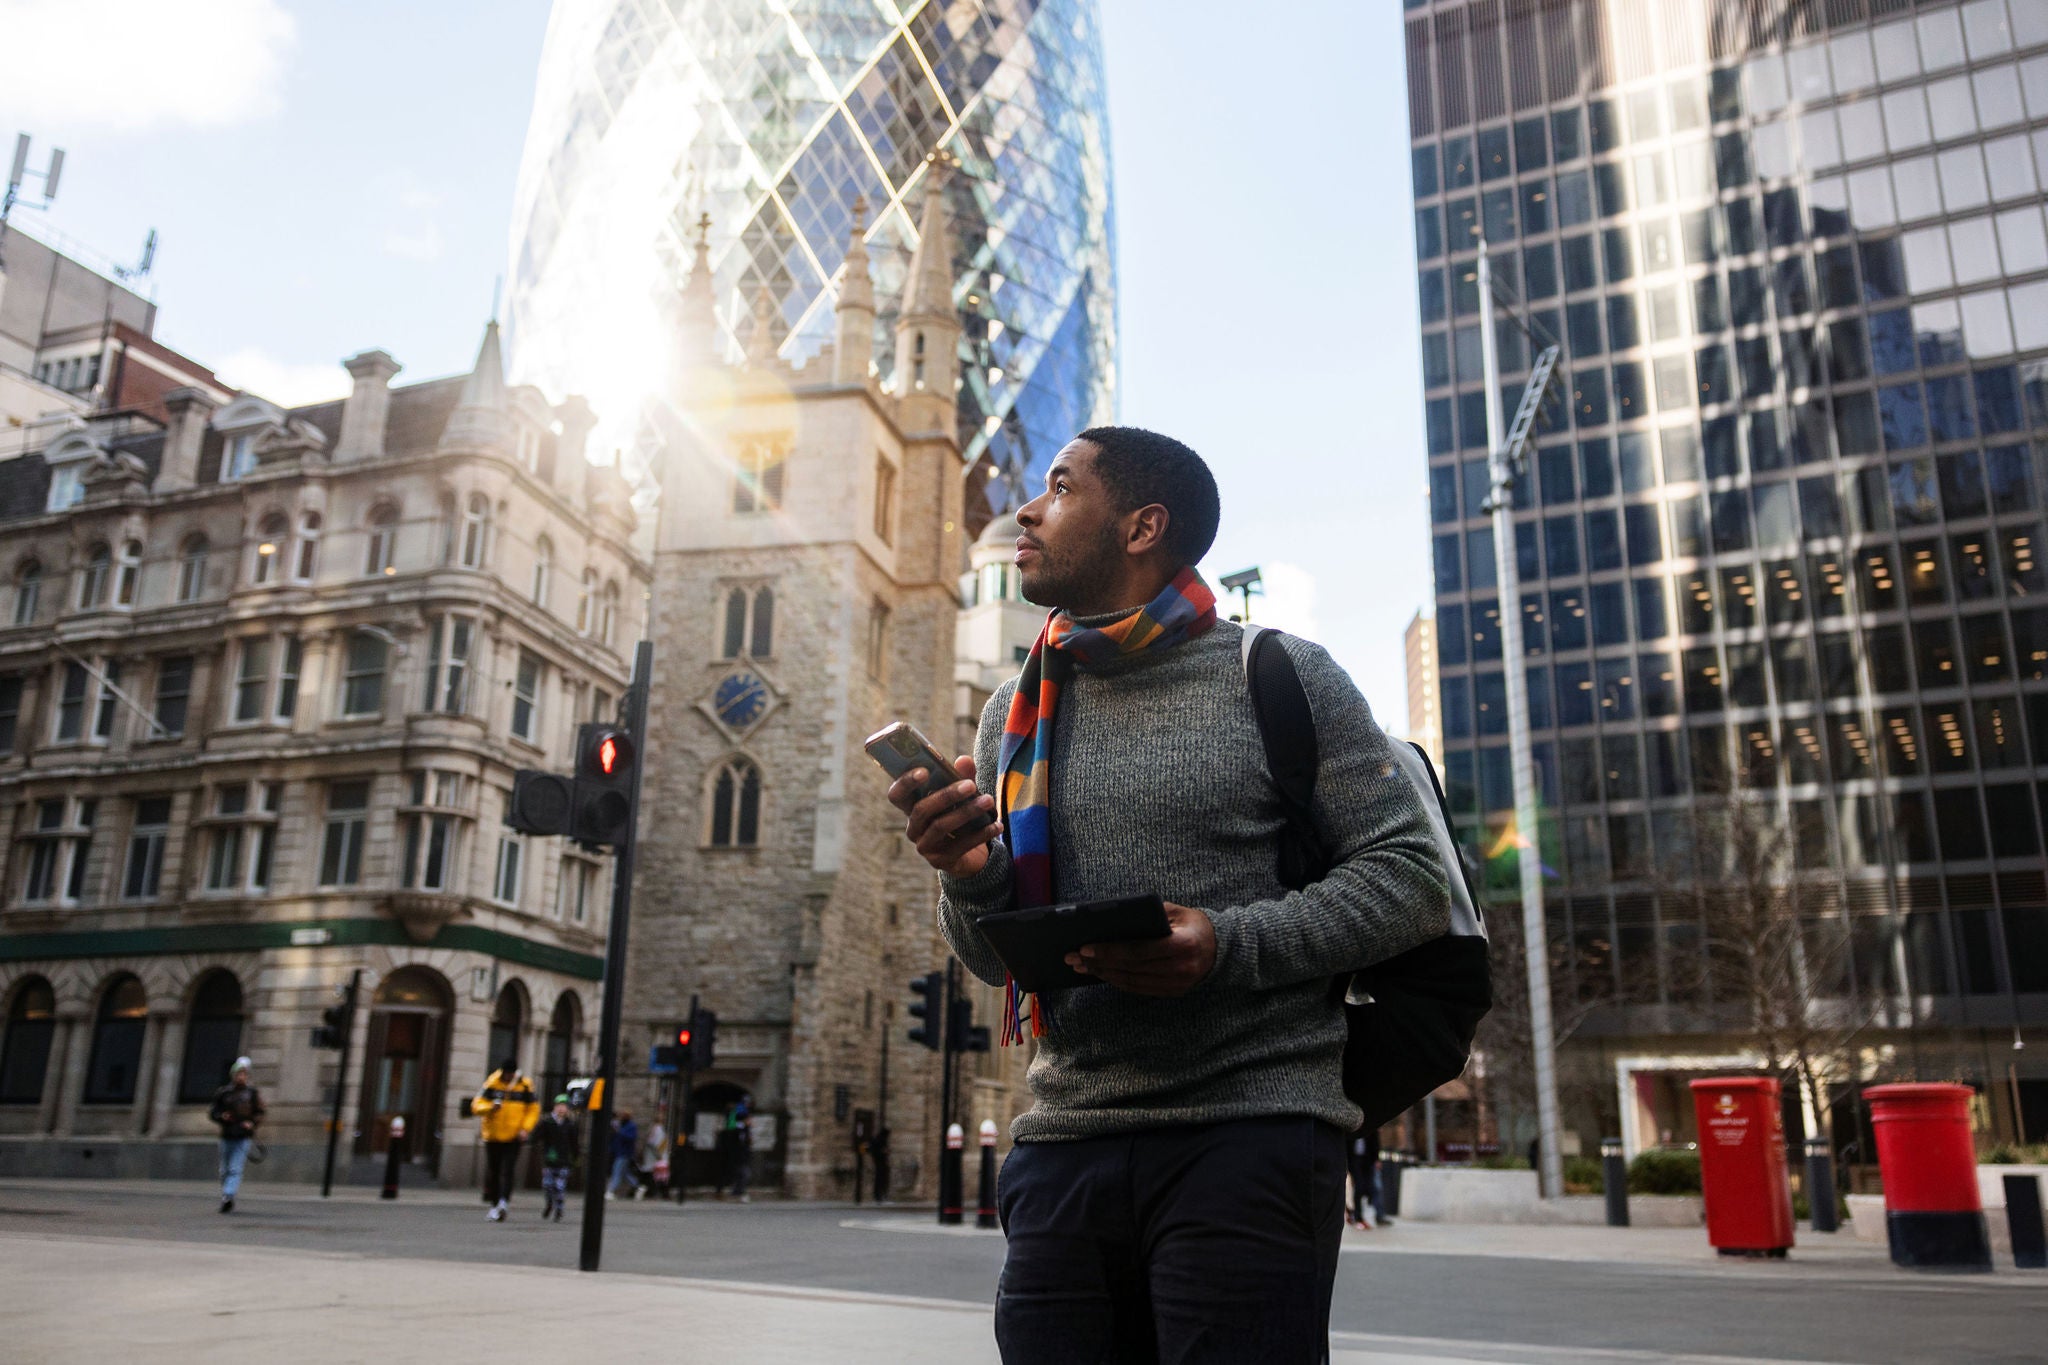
<point x="1244" y="583"/>
<point x="1506" y="458"/>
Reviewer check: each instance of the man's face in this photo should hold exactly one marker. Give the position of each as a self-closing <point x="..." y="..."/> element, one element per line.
<point x="562" y="1111"/>
<point x="242" y="1076"/>
<point x="1073" y="533"/>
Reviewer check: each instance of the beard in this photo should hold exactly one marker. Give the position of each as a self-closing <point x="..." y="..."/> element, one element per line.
<point x="1080" y="573"/>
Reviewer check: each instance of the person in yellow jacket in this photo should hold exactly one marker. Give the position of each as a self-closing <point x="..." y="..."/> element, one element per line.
<point x="508" y="1110"/>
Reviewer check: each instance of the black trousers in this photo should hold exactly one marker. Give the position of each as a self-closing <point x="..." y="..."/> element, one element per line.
<point x="1209" y="1243"/>
<point x="501" y="1170"/>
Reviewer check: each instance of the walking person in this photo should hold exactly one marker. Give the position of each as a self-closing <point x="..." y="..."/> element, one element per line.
<point x="560" y="1143"/>
<point x="507" y="1110"/>
<point x="739" y="1150"/>
<point x="1176" y="1190"/>
<point x="625" y="1146"/>
<point x="1365" y="1181"/>
<point x="653" y="1167"/>
<point x="238" y="1109"/>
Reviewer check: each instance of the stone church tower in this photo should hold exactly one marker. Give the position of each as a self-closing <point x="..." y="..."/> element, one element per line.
<point x="806" y="569"/>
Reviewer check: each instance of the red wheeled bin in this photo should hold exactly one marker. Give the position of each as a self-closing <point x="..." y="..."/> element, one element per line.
<point x="1933" y="1215"/>
<point x="1742" y="1165"/>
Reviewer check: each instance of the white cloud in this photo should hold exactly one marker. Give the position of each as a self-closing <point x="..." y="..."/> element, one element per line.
<point x="127" y="66"/>
<point x="282" y="382"/>
<point x="1289" y="603"/>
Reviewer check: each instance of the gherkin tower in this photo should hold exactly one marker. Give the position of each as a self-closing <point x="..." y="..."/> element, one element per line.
<point x="772" y="117"/>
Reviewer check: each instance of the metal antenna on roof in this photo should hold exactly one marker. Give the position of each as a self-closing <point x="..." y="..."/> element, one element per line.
<point x="497" y="287"/>
<point x="141" y="271"/>
<point x="19" y="171"/>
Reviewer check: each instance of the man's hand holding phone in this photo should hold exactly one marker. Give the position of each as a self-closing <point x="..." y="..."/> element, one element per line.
<point x="942" y="825"/>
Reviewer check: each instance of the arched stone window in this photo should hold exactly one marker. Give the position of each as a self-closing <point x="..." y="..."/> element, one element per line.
<point x="749" y="623"/>
<point x="561" y="1046"/>
<point x="543" y="570"/>
<point x="28" y="591"/>
<point x="586" y="602"/>
<point x="383" y="552"/>
<point x="508" y="1025"/>
<point x="608" y="617"/>
<point x="736" y="805"/>
<point x="213" y="1037"/>
<point x="128" y="580"/>
<point x="192" y="567"/>
<point x="476" y="531"/>
<point x="306" y="561"/>
<point x="116" y="1060"/>
<point x="92" y="583"/>
<point x="270" y="548"/>
<point x="25" y="1047"/>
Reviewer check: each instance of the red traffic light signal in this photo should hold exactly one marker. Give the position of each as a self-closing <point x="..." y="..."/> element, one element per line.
<point x="603" y="752"/>
<point x="683" y="1036"/>
<point x="608" y="754"/>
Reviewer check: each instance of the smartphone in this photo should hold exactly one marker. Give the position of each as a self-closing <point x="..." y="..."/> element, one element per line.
<point x="900" y="747"/>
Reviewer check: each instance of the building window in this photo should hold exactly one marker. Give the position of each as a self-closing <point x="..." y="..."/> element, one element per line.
<point x="362" y="682"/>
<point x="289" y="664"/>
<point x="543" y="570"/>
<point x="224" y="866"/>
<point x="448" y="647"/>
<point x="476" y="531"/>
<point x="173" y="694"/>
<point x="601" y="706"/>
<point x="306" y="562"/>
<point x="128" y="580"/>
<point x="526" y="698"/>
<point x="10" y="711"/>
<point x="146" y="839"/>
<point x="270" y="534"/>
<point x="67" y="486"/>
<point x="382" y="558"/>
<point x="25" y="1050"/>
<point x="432" y="825"/>
<point x="70" y="719"/>
<point x="58" y="849"/>
<point x="213" y="1037"/>
<point x="529" y="449"/>
<point x="92" y="582"/>
<point x="608" y="613"/>
<point x="252" y="680"/>
<point x="878" y="638"/>
<point x="505" y="886"/>
<point x="192" y="568"/>
<point x="757" y="477"/>
<point x="917" y="361"/>
<point x="736" y="806"/>
<point x="572" y="893"/>
<point x="117" y="1034"/>
<point x="109" y="701"/>
<point x="885" y="500"/>
<point x="28" y="592"/>
<point x="238" y="457"/>
<point x="341" y="846"/>
<point x="749" y="623"/>
<point x="263" y="850"/>
<point x="586" y="601"/>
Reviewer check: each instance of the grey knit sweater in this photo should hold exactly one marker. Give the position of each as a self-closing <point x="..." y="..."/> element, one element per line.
<point x="1159" y="783"/>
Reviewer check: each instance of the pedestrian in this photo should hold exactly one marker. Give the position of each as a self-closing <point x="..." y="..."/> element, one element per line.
<point x="238" y="1108"/>
<point x="1176" y="1190"/>
<point x="653" y="1176"/>
<point x="560" y="1143"/>
<point x="739" y="1150"/>
<point x="625" y="1146"/>
<point x="1364" y="1163"/>
<point x="507" y="1110"/>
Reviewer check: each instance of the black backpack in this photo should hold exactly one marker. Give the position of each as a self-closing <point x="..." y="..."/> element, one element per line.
<point x="1411" y="1017"/>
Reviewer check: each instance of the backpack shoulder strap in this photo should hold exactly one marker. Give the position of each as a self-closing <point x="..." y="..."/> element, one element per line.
<point x="1287" y="727"/>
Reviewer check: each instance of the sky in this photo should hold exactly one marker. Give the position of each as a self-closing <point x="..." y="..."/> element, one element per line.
<point x="332" y="177"/>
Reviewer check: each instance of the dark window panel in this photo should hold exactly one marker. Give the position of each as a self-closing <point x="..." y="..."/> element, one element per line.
<point x="1574" y="199"/>
<point x="1884" y="270"/>
<point x="1429" y="286"/>
<point x="1568" y="619"/>
<point x="1855" y="424"/>
<point x="1740" y="218"/>
<point x="1702" y="680"/>
<point x="1610" y="189"/>
<point x="1617" y="255"/>
<point x="1720" y="450"/>
<point x="1580" y="273"/>
<point x="1731" y="161"/>
<point x="1457" y="706"/>
<point x="1645" y="535"/>
<point x="1528" y="563"/>
<point x="1708" y="752"/>
<point x="1436" y="417"/>
<point x="1730" y="518"/>
<point x="1715" y="379"/>
<point x="1976" y="568"/>
<point x="2009" y="478"/>
<point x="1746" y="295"/>
<point x="1443" y="493"/>
<point x="1891" y="342"/>
<point x="1429" y="233"/>
<point x="1610" y="613"/>
<point x="1494" y="161"/>
<point x="1657" y="676"/>
<point x="1561" y="545"/>
<point x="1574" y="694"/>
<point x="1539" y="267"/>
<point x="1479" y="558"/>
<point x="1962" y="484"/>
<point x="1631" y="391"/>
<point x="1848" y="358"/>
<point x="1453" y="639"/>
<point x="1836" y="656"/>
<point x="1738" y="598"/>
<point x="1485" y="628"/>
<point x="1566" y="140"/>
<point x="1472" y="421"/>
<point x="1624" y="322"/>
<point x="1653" y="622"/>
<point x="1998" y="400"/>
<point x="1490" y="701"/>
<point x="1498" y="208"/>
<point x="1423" y="160"/>
<point x="1554" y="467"/>
<point x="1987" y="658"/>
<point x="1436" y="360"/>
<point x="1603" y="126"/>
<point x="1961" y="825"/>
<point x="1688" y="526"/>
<point x="1889" y="659"/>
<point x="1792" y="669"/>
<point x="1582" y="325"/>
<point x="1827" y="584"/>
<point x="1708" y="311"/>
<point x="1458" y="166"/>
<point x="1532" y="151"/>
<point x="1934" y="654"/>
<point x="1448" y="577"/>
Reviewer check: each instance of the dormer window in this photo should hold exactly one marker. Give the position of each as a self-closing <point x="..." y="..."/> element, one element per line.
<point x="306" y="559"/>
<point x="270" y="548"/>
<point x="92" y="583"/>
<point x="128" y="580"/>
<point x="67" y="486"/>
<point x="476" y="531"/>
<point x="238" y="456"/>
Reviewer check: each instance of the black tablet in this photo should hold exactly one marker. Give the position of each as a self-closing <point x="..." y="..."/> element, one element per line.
<point x="1034" y="943"/>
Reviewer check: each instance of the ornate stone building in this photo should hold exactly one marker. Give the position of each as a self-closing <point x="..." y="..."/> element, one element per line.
<point x="264" y="678"/>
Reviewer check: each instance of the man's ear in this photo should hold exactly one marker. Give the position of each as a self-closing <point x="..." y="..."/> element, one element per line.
<point x="1145" y="530"/>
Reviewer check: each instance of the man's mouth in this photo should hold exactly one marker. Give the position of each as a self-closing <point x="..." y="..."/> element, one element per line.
<point x="1026" y="546"/>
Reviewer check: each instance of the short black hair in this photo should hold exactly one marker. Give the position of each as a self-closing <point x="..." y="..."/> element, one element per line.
<point x="1142" y="467"/>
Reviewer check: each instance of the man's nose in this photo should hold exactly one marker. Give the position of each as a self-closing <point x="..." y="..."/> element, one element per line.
<point x="1027" y="515"/>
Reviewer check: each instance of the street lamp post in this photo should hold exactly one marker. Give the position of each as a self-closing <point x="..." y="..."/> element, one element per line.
<point x="1529" y="853"/>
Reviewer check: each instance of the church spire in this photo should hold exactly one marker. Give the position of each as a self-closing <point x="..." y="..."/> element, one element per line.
<point x="482" y="414"/>
<point x="698" y="314"/>
<point x="927" y="328"/>
<point x="761" y="340"/>
<point x="928" y="291"/>
<point x="854" y="346"/>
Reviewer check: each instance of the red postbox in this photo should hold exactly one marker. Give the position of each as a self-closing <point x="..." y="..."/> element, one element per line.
<point x="1933" y="1215"/>
<point x="1742" y="1165"/>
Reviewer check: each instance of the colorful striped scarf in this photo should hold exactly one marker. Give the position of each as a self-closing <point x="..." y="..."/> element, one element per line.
<point x="1184" y="610"/>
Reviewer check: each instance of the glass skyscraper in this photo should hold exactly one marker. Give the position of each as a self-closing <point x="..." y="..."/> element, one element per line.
<point x="773" y="117"/>
<point x="1780" y="537"/>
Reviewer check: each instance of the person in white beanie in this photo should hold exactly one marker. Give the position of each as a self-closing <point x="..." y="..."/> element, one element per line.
<point x="238" y="1109"/>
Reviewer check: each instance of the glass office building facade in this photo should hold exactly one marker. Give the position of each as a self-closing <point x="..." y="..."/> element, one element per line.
<point x="773" y="117"/>
<point x="1780" y="537"/>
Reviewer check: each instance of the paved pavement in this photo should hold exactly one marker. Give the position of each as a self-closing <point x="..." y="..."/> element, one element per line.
<point x="99" y="1271"/>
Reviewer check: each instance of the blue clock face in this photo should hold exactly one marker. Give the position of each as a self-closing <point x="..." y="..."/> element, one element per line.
<point x="740" y="700"/>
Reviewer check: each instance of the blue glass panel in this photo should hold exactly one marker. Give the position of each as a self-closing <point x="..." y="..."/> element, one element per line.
<point x="1448" y="577"/>
<point x="1436" y="360"/>
<point x="1528" y="563"/>
<point x="1485" y="630"/>
<point x="1429" y="233"/>
<point x="1436" y="415"/>
<point x="1493" y="154"/>
<point x="1490" y="700"/>
<point x="1477" y="479"/>
<point x="1912" y="493"/>
<point x="1567" y="619"/>
<point x="1429" y="288"/>
<point x="1652" y="620"/>
<point x="1603" y="540"/>
<point x="1499" y="211"/>
<point x="2009" y="478"/>
<point x="1884" y="270"/>
<point x="1820" y="508"/>
<point x="1539" y="268"/>
<point x="1574" y="694"/>
<point x="1461" y="790"/>
<point x="1596" y="468"/>
<point x="1561" y="545"/>
<point x="1457" y="706"/>
<point x="1566" y="141"/>
<point x="1574" y="199"/>
<point x="1766" y="450"/>
<point x="1948" y="409"/>
<point x="1962" y="484"/>
<point x="1855" y="424"/>
<point x="1458" y="163"/>
<point x="1645" y="535"/>
<point x="1730" y="517"/>
<point x="1479" y="556"/>
<point x="1453" y="640"/>
<point x="1532" y="152"/>
<point x="1496" y="789"/>
<point x="1535" y="203"/>
<point x="1472" y="421"/>
<point x="1636" y="453"/>
<point x="1610" y="613"/>
<point x="1998" y="400"/>
<point x="1901" y="415"/>
<point x="1443" y="493"/>
<point x="1424" y="161"/>
<point x="1539" y="707"/>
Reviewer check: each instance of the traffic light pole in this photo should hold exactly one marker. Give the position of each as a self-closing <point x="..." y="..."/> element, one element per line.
<point x="947" y="1051"/>
<point x="615" y="971"/>
<point x="355" y="981"/>
<point x="679" y="1171"/>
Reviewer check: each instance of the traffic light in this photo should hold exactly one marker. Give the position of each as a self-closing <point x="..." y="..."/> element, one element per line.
<point x="928" y="1006"/>
<point x="333" y="1029"/>
<point x="700" y="1043"/>
<point x="542" y="802"/>
<point x="963" y="1034"/>
<point x="603" y="796"/>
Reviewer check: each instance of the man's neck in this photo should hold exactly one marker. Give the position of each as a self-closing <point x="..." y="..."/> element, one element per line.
<point x="1136" y="589"/>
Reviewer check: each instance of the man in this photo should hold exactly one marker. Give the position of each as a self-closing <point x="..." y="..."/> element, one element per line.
<point x="625" y="1143"/>
<point x="739" y="1150"/>
<point x="559" y="1142"/>
<point x="508" y="1110"/>
<point x="238" y="1108"/>
<point x="1176" y="1191"/>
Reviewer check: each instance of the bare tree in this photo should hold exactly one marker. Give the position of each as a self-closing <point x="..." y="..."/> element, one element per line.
<point x="1505" y="1071"/>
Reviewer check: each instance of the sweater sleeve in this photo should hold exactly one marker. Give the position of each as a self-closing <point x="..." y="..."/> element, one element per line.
<point x="963" y="899"/>
<point x="1385" y="891"/>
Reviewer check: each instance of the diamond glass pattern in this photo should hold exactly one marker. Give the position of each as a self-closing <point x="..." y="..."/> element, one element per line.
<point x="772" y="116"/>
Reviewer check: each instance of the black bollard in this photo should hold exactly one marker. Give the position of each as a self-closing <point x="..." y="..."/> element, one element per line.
<point x="1820" y="1185"/>
<point x="985" y="1215"/>
<point x="2023" y="1218"/>
<point x="393" y="1154"/>
<point x="1614" y="1176"/>
<point x="1390" y="1186"/>
<point x="950" y="1176"/>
